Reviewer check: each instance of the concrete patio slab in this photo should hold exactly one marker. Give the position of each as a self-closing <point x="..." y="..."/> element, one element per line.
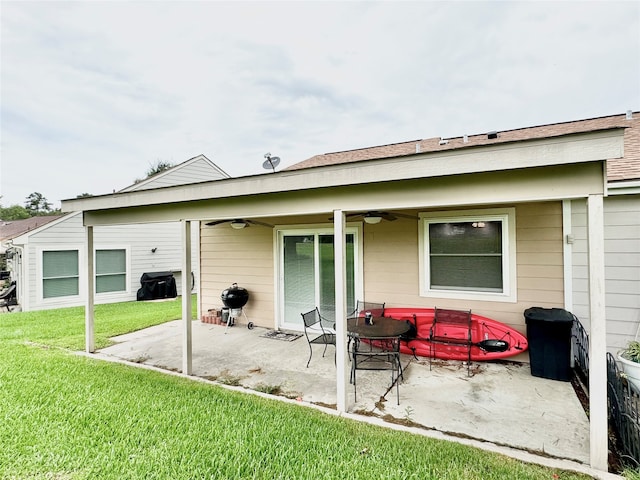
<point x="500" y="403"/>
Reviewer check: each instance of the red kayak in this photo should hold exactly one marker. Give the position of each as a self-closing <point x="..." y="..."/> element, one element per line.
<point x="491" y="340"/>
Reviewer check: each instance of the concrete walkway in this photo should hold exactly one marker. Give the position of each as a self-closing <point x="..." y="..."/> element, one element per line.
<point x="500" y="403"/>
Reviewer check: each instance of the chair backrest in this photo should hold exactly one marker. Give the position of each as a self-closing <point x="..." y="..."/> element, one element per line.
<point x="376" y="309"/>
<point x="460" y="320"/>
<point x="452" y="317"/>
<point x="312" y="318"/>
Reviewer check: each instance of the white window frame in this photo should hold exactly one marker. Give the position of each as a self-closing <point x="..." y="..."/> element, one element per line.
<point x="509" y="279"/>
<point x="40" y="274"/>
<point x="127" y="281"/>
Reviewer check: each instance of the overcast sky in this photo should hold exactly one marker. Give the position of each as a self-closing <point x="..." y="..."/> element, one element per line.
<point x="94" y="93"/>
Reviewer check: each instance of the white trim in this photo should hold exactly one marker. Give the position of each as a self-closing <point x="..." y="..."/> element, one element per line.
<point x="567" y="254"/>
<point x="88" y="285"/>
<point x="187" y="335"/>
<point x="508" y="218"/>
<point x="340" y="281"/>
<point x="598" y="439"/>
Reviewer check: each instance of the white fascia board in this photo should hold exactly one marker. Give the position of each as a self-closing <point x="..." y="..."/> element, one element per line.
<point x="570" y="149"/>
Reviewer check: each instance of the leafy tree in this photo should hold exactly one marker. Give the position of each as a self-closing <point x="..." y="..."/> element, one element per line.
<point x="155" y="168"/>
<point x="36" y="204"/>
<point x="158" y="167"/>
<point x="14" y="212"/>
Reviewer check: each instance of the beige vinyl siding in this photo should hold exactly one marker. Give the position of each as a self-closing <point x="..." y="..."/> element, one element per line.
<point x="391" y="270"/>
<point x="391" y="265"/>
<point x="244" y="257"/>
<point x="622" y="267"/>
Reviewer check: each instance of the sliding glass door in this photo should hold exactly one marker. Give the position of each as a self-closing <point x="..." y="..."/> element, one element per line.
<point x="307" y="274"/>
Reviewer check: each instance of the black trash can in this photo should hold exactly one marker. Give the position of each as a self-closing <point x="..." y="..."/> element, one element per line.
<point x="549" y="335"/>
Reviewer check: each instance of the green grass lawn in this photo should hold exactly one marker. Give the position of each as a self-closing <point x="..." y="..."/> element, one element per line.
<point x="64" y="416"/>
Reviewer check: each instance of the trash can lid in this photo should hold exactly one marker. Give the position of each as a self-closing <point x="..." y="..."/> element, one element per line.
<point x="540" y="314"/>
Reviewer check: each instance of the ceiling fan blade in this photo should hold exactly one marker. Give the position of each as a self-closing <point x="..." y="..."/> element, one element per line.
<point x="404" y="215"/>
<point x="262" y="224"/>
<point x="216" y="222"/>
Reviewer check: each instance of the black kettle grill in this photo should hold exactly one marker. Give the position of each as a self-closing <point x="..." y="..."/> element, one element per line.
<point x="234" y="298"/>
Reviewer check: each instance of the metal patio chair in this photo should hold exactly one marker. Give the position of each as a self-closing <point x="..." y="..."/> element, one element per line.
<point x="315" y="332"/>
<point x="451" y="327"/>
<point x="384" y="355"/>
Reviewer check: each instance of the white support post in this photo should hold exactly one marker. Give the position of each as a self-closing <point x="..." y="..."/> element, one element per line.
<point x="187" y="347"/>
<point x="597" y="335"/>
<point x="342" y="364"/>
<point x="89" y="287"/>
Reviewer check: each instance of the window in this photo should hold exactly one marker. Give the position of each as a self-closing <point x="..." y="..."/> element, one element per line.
<point x="60" y="275"/>
<point x="469" y="255"/>
<point x="111" y="270"/>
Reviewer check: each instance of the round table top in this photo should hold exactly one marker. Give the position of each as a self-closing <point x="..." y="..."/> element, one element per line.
<point x="383" y="327"/>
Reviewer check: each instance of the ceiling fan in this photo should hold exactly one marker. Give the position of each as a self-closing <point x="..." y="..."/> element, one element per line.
<point x="239" y="223"/>
<point x="375" y="216"/>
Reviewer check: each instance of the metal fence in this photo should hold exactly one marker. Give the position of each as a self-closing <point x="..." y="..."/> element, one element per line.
<point x="624" y="402"/>
<point x="624" y="413"/>
<point x="580" y="347"/>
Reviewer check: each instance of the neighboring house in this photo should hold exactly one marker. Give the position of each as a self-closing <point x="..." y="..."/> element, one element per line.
<point x="195" y="170"/>
<point x="494" y="216"/>
<point x="46" y="254"/>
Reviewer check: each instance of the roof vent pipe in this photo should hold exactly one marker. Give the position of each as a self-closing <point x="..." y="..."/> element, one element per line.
<point x="418" y="147"/>
<point x="443" y="141"/>
<point x="465" y="138"/>
<point x="629" y="115"/>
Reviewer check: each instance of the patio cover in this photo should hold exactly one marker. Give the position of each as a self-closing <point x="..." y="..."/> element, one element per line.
<point x="559" y="168"/>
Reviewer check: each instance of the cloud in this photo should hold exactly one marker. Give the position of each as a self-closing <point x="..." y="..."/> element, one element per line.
<point x="92" y="93"/>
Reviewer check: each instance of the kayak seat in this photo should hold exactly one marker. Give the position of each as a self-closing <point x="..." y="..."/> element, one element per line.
<point x="451" y="327"/>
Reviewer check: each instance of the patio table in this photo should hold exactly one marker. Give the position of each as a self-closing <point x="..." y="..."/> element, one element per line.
<point x="383" y="327"/>
<point x="383" y="338"/>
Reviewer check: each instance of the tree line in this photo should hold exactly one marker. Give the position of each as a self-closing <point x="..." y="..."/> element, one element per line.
<point x="36" y="204"/>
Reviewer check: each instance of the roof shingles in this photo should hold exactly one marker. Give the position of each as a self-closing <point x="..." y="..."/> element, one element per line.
<point x="627" y="168"/>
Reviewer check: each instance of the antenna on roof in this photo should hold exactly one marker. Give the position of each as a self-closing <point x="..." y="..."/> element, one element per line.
<point x="270" y="162"/>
